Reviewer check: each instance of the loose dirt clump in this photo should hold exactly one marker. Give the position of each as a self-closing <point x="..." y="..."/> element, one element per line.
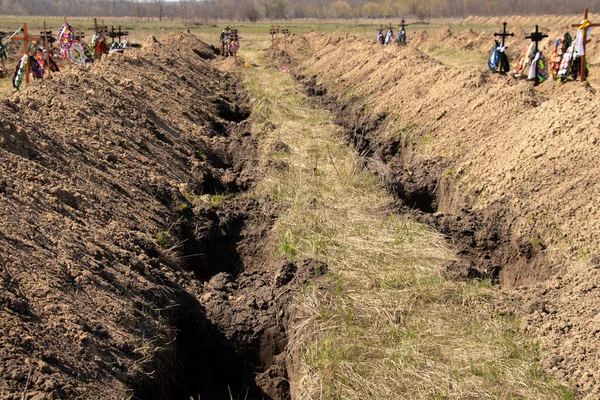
<point x="118" y="194"/>
<point x="253" y="310"/>
<point x="484" y="158"/>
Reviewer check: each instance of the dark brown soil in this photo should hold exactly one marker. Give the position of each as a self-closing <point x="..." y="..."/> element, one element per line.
<point x="125" y="235"/>
<point x="482" y="238"/>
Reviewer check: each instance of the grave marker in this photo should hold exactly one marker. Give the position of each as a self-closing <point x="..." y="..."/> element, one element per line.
<point x="584" y="25"/>
<point x="47" y="37"/>
<point x="101" y="30"/>
<point x="79" y="33"/>
<point x="402" y="37"/>
<point x="502" y="58"/>
<point x="234" y="39"/>
<point x="273" y="33"/>
<point x="26" y="38"/>
<point x="286" y="33"/>
<point x="536" y="37"/>
<point x="117" y="34"/>
<point x="5" y="45"/>
<point x="98" y="28"/>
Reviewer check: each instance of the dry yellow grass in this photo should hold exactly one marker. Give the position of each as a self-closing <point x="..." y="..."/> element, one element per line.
<point x="385" y="324"/>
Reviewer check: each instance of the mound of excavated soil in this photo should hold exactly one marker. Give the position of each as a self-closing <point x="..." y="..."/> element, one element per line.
<point x="507" y="170"/>
<point x="112" y="219"/>
<point x="483" y="39"/>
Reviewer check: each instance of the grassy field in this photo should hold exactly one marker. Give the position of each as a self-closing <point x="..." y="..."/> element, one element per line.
<point x="142" y="27"/>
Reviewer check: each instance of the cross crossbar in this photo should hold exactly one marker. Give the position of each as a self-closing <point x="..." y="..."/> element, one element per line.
<point x="98" y="28"/>
<point x="504" y="34"/>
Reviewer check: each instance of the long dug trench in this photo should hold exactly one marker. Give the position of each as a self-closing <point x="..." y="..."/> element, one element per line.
<point x="134" y="262"/>
<point x="250" y="299"/>
<point x="462" y="154"/>
<point x="149" y="265"/>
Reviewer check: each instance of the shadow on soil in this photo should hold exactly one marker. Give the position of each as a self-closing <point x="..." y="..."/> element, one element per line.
<point x="486" y="246"/>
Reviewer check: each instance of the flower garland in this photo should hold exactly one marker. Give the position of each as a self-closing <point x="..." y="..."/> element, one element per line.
<point x="89" y="53"/>
<point x="36" y="69"/>
<point x="99" y="44"/>
<point x="66" y="37"/>
<point x="20" y="72"/>
<point x="76" y="54"/>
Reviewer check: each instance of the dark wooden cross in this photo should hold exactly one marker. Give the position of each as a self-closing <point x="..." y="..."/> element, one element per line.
<point x="104" y="29"/>
<point x="403" y="26"/>
<point x="286" y="33"/>
<point x="47" y="37"/>
<point x="81" y="34"/>
<point x="504" y="35"/>
<point x="585" y="42"/>
<point x="26" y="38"/>
<point x="536" y="37"/>
<point x="117" y="34"/>
<point x="112" y="34"/>
<point x="235" y="38"/>
<point x="121" y="33"/>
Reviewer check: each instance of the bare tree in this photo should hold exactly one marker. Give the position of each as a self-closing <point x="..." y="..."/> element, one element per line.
<point x="256" y="9"/>
<point x="160" y="8"/>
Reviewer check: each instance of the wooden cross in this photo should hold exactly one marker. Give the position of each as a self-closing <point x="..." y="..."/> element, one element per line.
<point x="112" y="34"/>
<point x="97" y="28"/>
<point x="536" y="37"/>
<point x="273" y="33"/>
<point x="79" y="33"/>
<point x="121" y="33"/>
<point x="26" y="40"/>
<point x="285" y="32"/>
<point x="585" y="42"/>
<point x="235" y="39"/>
<point x="46" y="35"/>
<point x="504" y="35"/>
<point x="403" y="26"/>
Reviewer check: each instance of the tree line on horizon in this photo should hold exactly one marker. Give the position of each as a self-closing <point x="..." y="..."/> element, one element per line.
<point x="254" y="10"/>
